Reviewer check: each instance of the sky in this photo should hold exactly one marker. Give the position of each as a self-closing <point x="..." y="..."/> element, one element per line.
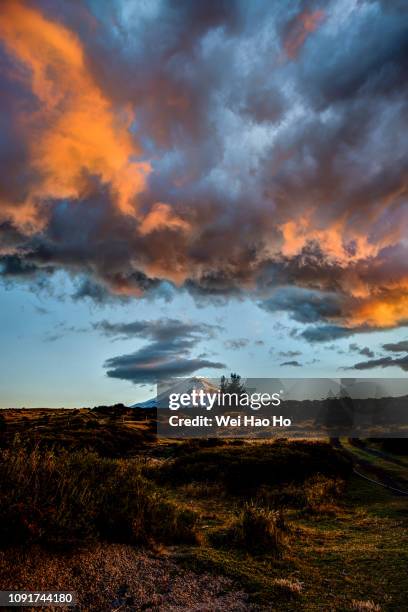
<point x="198" y="188"/>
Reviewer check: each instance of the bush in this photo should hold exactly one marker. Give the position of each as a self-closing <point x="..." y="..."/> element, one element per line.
<point x="316" y="494"/>
<point x="92" y="424"/>
<point x="322" y="494"/>
<point x="244" y="469"/>
<point x="256" y="530"/>
<point x="68" y="498"/>
<point x="284" y="496"/>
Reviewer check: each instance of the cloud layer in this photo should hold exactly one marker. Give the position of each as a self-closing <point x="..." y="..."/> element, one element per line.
<point x="386" y="361"/>
<point x="167" y="354"/>
<point x="230" y="148"/>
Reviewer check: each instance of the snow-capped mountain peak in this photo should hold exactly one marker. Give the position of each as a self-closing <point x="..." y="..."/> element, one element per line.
<point x="184" y="385"/>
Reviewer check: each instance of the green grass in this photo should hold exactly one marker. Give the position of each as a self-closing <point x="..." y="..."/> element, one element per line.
<point x="397" y="471"/>
<point x="359" y="552"/>
<point x="349" y="542"/>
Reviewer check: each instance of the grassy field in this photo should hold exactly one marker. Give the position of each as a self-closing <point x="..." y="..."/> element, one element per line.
<point x="90" y="501"/>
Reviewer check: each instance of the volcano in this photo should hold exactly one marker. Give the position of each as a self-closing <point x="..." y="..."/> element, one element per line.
<point x="181" y="386"/>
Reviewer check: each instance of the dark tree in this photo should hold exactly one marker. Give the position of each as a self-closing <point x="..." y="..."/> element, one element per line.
<point x="233" y="384"/>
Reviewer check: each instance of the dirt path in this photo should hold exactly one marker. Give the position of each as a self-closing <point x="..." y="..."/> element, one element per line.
<point x="377" y="474"/>
<point x="376" y="453"/>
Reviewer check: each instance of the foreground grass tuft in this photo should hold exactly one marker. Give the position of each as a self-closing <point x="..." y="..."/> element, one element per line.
<point x="256" y="530"/>
<point x="365" y="606"/>
<point x="259" y="530"/>
<point x="294" y="587"/>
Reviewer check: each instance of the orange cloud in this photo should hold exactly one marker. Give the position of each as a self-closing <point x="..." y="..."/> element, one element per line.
<point x="332" y="239"/>
<point x="375" y="298"/>
<point x="74" y="132"/>
<point x="299" y="29"/>
<point x="385" y="311"/>
<point x="161" y="217"/>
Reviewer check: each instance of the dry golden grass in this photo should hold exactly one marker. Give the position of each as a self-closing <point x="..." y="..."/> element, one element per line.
<point x="115" y="433"/>
<point x="293" y="586"/>
<point x="365" y="606"/>
<point x="62" y="499"/>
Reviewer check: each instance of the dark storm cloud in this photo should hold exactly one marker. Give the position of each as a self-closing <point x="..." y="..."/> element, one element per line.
<point x="398" y="347"/>
<point x="168" y="353"/>
<point x="14" y="266"/>
<point x="10" y="236"/>
<point x="303" y="306"/>
<point x="236" y="147"/>
<point x="342" y="78"/>
<point x="325" y="333"/>
<point x="365" y="350"/>
<point x="88" y="288"/>
<point x="383" y="362"/>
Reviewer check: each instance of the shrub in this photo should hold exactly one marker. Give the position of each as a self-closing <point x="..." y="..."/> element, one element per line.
<point x="284" y="496"/>
<point x="92" y="424"/>
<point x="256" y="530"/>
<point x="62" y="499"/>
<point x="246" y="468"/>
<point x="316" y="494"/>
<point x="322" y="493"/>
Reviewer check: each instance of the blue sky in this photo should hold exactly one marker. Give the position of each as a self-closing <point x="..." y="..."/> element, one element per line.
<point x="51" y="356"/>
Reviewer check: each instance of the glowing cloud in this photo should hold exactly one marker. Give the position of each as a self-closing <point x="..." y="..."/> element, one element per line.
<point x="262" y="174"/>
<point x="74" y="131"/>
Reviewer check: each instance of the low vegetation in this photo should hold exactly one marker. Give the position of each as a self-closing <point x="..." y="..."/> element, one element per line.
<point x="256" y="529"/>
<point x="271" y="525"/>
<point x="110" y="432"/>
<point x="243" y="469"/>
<point x="62" y="499"/>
